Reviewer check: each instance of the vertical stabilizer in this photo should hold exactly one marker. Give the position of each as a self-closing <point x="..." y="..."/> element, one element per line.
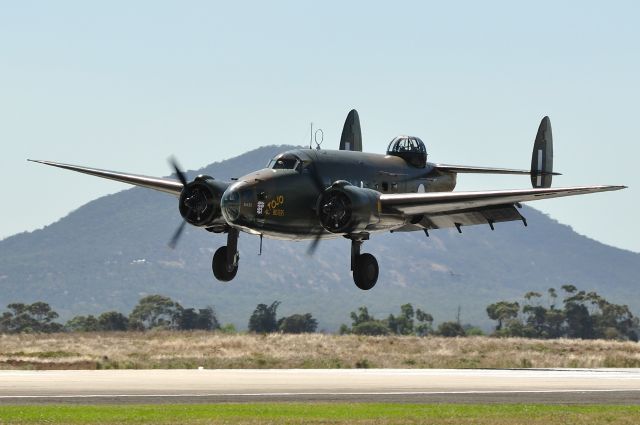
<point x="351" y="139"/>
<point x="542" y="156"/>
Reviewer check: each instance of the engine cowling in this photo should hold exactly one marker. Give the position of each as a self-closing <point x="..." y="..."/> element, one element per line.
<point x="345" y="208"/>
<point x="199" y="201"/>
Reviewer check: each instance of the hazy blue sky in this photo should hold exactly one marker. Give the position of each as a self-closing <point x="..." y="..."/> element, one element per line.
<point x="122" y="85"/>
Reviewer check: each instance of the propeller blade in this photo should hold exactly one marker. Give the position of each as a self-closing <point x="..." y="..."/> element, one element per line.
<point x="176" y="167"/>
<point x="314" y="244"/>
<point x="176" y="236"/>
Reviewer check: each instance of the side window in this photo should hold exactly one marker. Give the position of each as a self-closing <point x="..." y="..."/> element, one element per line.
<point x="385" y="186"/>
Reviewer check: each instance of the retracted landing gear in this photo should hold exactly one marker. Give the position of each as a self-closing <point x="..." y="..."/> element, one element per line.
<point x="225" y="260"/>
<point x="364" y="266"/>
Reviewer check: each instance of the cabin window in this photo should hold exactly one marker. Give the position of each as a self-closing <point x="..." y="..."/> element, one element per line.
<point x="385" y="186"/>
<point x="285" y="162"/>
<point x="394" y="186"/>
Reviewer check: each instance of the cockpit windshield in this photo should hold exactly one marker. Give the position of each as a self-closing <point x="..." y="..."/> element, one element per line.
<point x="285" y="162"/>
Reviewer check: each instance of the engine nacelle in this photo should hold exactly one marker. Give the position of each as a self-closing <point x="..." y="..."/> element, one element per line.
<point x="200" y="201"/>
<point x="345" y="208"/>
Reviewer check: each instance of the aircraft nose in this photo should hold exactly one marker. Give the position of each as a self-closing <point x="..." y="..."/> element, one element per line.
<point x="230" y="203"/>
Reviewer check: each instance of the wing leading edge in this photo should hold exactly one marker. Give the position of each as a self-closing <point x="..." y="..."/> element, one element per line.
<point x="170" y="186"/>
<point x="412" y="204"/>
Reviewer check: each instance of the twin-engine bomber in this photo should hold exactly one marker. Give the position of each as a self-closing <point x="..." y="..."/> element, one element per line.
<point x="313" y="194"/>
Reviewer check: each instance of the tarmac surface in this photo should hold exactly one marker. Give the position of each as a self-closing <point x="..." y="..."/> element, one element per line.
<point x="553" y="386"/>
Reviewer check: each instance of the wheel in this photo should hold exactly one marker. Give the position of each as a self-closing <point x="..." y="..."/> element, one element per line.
<point x="219" y="266"/>
<point x="365" y="272"/>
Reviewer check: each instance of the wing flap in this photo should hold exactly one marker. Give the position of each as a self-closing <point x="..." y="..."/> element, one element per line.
<point x="170" y="186"/>
<point x="449" y="202"/>
<point x="483" y="215"/>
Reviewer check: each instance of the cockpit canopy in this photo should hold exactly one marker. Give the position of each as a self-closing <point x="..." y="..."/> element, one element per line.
<point x="285" y="161"/>
<point x="409" y="148"/>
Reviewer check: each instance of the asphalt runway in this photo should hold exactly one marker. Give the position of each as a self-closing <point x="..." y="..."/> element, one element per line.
<point x="556" y="386"/>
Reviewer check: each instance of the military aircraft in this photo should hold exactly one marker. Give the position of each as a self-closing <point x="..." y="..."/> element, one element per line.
<point x="314" y="194"/>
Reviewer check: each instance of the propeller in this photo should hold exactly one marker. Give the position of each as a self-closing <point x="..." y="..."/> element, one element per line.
<point x="176" y="167"/>
<point x="176" y="236"/>
<point x="183" y="179"/>
<point x="317" y="181"/>
<point x="334" y="212"/>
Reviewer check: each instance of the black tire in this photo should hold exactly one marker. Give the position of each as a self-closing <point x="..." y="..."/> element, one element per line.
<point x="365" y="272"/>
<point x="219" y="266"/>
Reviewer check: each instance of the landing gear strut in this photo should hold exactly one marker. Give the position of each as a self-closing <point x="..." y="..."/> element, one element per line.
<point x="364" y="266"/>
<point x="225" y="260"/>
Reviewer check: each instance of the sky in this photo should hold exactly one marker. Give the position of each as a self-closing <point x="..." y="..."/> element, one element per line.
<point x="124" y="85"/>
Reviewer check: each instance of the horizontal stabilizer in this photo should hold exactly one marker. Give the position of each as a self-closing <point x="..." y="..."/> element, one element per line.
<point x="480" y="170"/>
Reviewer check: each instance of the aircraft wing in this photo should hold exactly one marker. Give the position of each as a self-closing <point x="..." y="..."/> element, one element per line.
<point x="170" y="186"/>
<point x="436" y="203"/>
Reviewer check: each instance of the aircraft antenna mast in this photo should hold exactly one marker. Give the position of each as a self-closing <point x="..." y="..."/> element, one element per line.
<point x="313" y="137"/>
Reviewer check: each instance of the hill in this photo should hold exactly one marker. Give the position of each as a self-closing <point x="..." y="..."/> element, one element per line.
<point x="113" y="250"/>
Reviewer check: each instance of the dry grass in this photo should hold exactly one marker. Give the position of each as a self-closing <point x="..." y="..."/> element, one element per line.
<point x="213" y="350"/>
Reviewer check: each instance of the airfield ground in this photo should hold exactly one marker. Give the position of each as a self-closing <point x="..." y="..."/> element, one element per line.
<point x="187" y="350"/>
<point x="321" y="413"/>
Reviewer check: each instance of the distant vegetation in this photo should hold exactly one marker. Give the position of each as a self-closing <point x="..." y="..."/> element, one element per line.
<point x="579" y="315"/>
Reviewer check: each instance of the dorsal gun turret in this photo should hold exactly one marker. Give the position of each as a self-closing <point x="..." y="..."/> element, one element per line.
<point x="409" y="148"/>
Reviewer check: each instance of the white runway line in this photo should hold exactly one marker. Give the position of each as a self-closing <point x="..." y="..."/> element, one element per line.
<point x="398" y="393"/>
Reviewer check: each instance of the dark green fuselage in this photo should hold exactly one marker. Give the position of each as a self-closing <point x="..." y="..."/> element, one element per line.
<point x="282" y="203"/>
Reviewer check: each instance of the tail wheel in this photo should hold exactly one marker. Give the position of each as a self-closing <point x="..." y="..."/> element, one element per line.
<point x="365" y="271"/>
<point x="219" y="265"/>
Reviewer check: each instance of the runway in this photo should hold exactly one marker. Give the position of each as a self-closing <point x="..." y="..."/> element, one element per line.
<point x="557" y="386"/>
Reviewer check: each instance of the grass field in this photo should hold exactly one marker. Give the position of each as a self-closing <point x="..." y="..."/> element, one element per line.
<point x="214" y="350"/>
<point x="319" y="413"/>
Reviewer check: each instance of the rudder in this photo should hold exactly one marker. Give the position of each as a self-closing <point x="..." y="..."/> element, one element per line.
<point x="542" y="156"/>
<point x="351" y="139"/>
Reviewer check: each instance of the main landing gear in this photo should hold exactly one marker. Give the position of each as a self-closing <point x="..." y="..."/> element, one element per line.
<point x="225" y="260"/>
<point x="364" y="266"/>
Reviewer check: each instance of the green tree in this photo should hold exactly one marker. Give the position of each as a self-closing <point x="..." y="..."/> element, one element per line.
<point x="578" y="317"/>
<point x="263" y="319"/>
<point x="425" y="323"/>
<point x="155" y="311"/>
<point x="450" y="329"/>
<point x="501" y="311"/>
<point x="403" y="324"/>
<point x="361" y="316"/>
<point x="297" y="324"/>
<point x="29" y="318"/>
<point x="82" y="324"/>
<point x="113" y="321"/>
<point x="364" y="323"/>
<point x="203" y="319"/>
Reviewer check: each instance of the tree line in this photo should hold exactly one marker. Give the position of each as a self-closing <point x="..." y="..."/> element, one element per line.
<point x="580" y="314"/>
<point x="151" y="312"/>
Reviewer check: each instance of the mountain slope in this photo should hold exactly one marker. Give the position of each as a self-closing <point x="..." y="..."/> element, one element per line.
<point x="108" y="253"/>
